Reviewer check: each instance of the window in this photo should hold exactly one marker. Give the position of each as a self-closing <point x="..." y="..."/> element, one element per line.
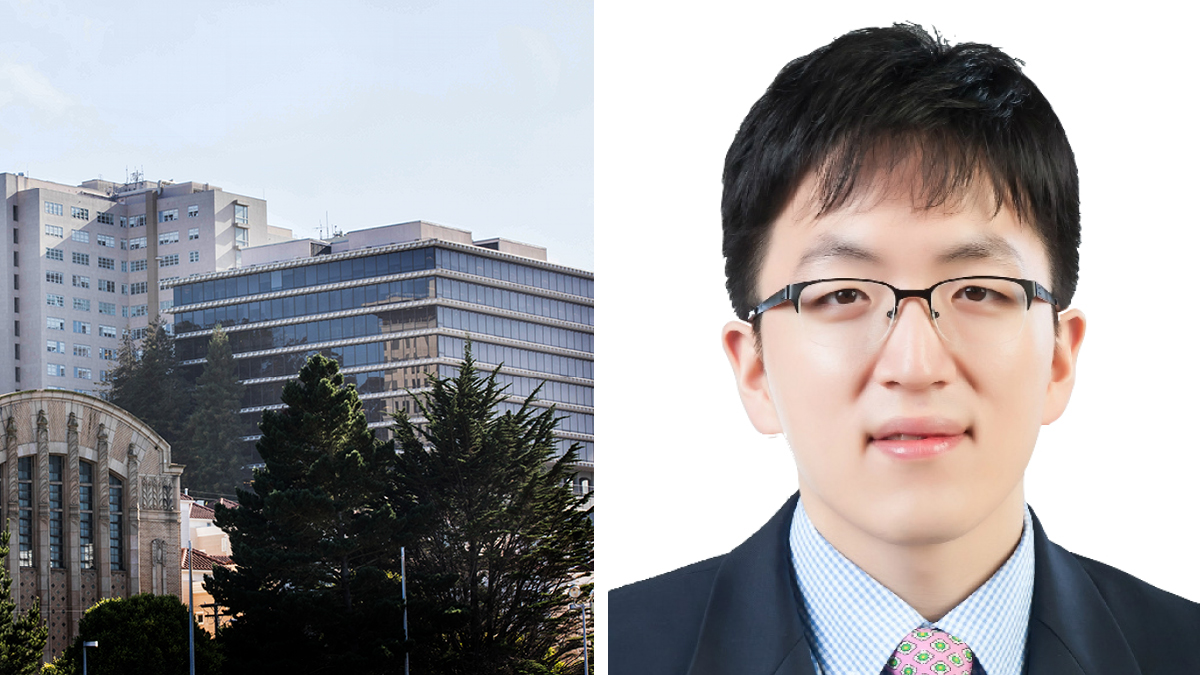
<point x="17" y="327"/>
<point x="17" y="305"/>
<point x="54" y="209"/>
<point x="241" y="237"/>
<point x="124" y="221"/>
<point x="54" y="277"/>
<point x="83" y="350"/>
<point x="124" y="246"/>
<point x="87" y="541"/>
<point x="137" y="288"/>
<point x="165" y="238"/>
<point x="105" y="263"/>
<point x="80" y="281"/>
<point x="109" y="308"/>
<point x="193" y="233"/>
<point x="137" y="265"/>
<point x="54" y="231"/>
<point x="168" y="260"/>
<point x="53" y="323"/>
<point x="56" y="346"/>
<point x="124" y="289"/>
<point x="164" y="305"/>
<point x="15" y="212"/>
<point x="56" y="370"/>
<point x="241" y="214"/>
<point x="82" y="304"/>
<point x="17" y="351"/>
<point x="137" y="310"/>
<point x="193" y="211"/>
<point x="16" y="282"/>
<point x="137" y="243"/>
<point x="108" y="354"/>
<point x="193" y="256"/>
<point x="106" y="240"/>
<point x="81" y="214"/>
<point x="83" y="373"/>
<point x="55" y="300"/>
<point x="54" y="254"/>
<point x="107" y="285"/>
<point x="108" y="331"/>
<point x="137" y="221"/>
<point x="137" y="333"/>
<point x="116" y="502"/>
<point x="80" y="236"/>
<point x="168" y="215"/>
<point x="25" y="509"/>
<point x="124" y="266"/>
<point x="81" y="258"/>
<point x="83" y="327"/>
<point x="106" y="218"/>
<point x="56" y="509"/>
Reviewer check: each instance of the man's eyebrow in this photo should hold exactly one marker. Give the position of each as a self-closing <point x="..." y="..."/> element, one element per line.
<point x="831" y="246"/>
<point x="989" y="247"/>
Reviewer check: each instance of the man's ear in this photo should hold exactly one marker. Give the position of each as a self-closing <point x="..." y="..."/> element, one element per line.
<point x="738" y="339"/>
<point x="1071" y="327"/>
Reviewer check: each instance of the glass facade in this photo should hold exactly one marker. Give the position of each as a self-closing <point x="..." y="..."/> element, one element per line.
<point x="87" y="541"/>
<point x="25" y="510"/>
<point x="519" y="320"/>
<point x="116" y="501"/>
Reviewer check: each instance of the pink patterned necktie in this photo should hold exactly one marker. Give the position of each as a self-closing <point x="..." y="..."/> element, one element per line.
<point x="930" y="651"/>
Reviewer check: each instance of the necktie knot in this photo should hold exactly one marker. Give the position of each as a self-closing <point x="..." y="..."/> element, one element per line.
<point x="930" y="651"/>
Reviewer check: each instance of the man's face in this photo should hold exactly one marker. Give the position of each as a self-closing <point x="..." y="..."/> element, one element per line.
<point x="914" y="440"/>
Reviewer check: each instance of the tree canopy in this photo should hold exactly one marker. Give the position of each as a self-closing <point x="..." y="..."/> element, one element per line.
<point x="145" y="382"/>
<point x="210" y="447"/>
<point x="316" y="541"/>
<point x="505" y="536"/>
<point x="22" y="634"/>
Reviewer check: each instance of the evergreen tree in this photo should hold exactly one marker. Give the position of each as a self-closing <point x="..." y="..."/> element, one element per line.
<point x="22" y="636"/>
<point x="144" y="634"/>
<point x="146" y="384"/>
<point x="211" y="447"/>
<point x="505" y="537"/>
<point x="315" y="540"/>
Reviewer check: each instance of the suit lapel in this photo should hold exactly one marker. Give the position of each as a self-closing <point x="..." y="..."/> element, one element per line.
<point x="1071" y="629"/>
<point x="752" y="624"/>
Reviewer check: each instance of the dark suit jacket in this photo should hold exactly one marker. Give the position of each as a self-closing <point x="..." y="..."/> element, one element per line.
<point x="739" y="614"/>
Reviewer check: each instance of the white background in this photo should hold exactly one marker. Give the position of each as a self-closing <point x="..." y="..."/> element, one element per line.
<point x="684" y="476"/>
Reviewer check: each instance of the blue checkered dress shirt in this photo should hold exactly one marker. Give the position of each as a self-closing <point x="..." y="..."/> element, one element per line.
<point x="838" y="594"/>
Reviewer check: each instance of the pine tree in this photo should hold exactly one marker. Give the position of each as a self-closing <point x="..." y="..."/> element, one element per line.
<point x="316" y="539"/>
<point x="506" y="536"/>
<point x="211" y="447"/>
<point x="146" y="384"/>
<point x="22" y="635"/>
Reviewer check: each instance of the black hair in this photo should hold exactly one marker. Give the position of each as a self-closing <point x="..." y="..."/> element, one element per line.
<point x="879" y="97"/>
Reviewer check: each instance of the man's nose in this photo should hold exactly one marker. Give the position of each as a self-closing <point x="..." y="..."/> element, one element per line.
<point x="914" y="354"/>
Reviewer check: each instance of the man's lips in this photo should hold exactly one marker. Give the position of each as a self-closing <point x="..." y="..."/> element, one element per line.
<point x="917" y="438"/>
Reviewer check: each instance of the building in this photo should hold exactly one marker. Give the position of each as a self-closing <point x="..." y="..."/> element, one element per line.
<point x="91" y="497"/>
<point x="210" y="549"/>
<point x="86" y="263"/>
<point x="391" y="304"/>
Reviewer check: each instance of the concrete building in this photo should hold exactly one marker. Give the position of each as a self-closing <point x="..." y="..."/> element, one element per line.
<point x="86" y="263"/>
<point x="391" y="304"/>
<point x="91" y="499"/>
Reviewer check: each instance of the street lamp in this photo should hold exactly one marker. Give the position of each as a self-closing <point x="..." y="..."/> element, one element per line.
<point x="575" y="592"/>
<point x="89" y="643"/>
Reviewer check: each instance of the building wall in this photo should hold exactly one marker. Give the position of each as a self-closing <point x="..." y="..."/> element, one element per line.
<point x="43" y="425"/>
<point x="49" y="222"/>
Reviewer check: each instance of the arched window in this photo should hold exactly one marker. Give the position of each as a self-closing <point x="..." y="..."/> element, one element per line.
<point x="116" y="499"/>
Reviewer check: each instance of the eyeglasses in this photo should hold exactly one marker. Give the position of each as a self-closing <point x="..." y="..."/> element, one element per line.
<point x="980" y="310"/>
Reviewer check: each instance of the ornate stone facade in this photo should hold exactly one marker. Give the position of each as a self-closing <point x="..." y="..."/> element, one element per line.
<point x="133" y="502"/>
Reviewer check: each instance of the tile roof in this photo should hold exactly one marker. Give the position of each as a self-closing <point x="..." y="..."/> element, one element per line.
<point x="203" y="562"/>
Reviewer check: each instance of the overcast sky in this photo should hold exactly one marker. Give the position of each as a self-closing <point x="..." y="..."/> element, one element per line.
<point x="459" y="113"/>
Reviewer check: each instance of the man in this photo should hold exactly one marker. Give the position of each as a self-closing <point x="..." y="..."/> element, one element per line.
<point x="901" y="232"/>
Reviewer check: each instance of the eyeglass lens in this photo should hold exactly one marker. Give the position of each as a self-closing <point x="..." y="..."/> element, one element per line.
<point x="966" y="312"/>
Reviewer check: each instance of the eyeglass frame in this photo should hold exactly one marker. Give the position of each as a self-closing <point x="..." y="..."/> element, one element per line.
<point x="1033" y="290"/>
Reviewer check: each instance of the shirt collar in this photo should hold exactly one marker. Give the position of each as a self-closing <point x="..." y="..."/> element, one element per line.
<point x="838" y="595"/>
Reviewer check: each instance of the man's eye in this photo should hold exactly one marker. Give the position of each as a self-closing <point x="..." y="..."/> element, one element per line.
<point x="844" y="296"/>
<point x="975" y="293"/>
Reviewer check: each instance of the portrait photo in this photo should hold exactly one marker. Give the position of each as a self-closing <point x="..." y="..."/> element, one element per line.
<point x="689" y="477"/>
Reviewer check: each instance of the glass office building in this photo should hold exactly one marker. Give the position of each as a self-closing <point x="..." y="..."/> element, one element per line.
<point x="391" y="304"/>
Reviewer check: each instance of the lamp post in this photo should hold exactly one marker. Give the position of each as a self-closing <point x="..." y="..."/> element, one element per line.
<point x="88" y="643"/>
<point x="575" y="592"/>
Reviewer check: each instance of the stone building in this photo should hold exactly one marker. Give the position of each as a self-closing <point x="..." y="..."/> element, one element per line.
<point x="90" y="497"/>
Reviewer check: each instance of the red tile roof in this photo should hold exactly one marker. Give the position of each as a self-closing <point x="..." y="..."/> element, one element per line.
<point x="201" y="512"/>
<point x="202" y="561"/>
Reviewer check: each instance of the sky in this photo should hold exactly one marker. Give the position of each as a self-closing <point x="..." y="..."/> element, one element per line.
<point x="464" y="114"/>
